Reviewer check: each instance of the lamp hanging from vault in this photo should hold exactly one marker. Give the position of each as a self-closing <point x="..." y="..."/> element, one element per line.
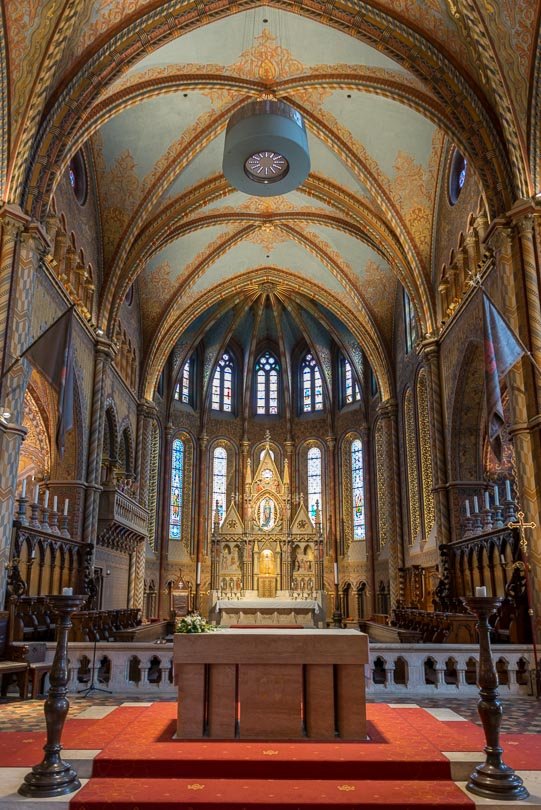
<point x="266" y="149"/>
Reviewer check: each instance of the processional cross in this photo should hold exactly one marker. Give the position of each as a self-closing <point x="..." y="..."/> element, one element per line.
<point x="521" y="525"/>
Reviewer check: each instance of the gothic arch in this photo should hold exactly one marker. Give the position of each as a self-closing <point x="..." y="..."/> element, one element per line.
<point x="466" y="434"/>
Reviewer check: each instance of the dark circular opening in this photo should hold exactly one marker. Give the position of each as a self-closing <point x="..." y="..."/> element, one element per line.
<point x="266" y="166"/>
<point x="457" y="176"/>
<point x="77" y="177"/>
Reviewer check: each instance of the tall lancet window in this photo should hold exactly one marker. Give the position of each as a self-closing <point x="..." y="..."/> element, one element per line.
<point x="312" y="387"/>
<point x="350" y="387"/>
<point x="219" y="482"/>
<point x="267" y="369"/>
<point x="183" y="388"/>
<point x="357" y="490"/>
<point x="177" y="481"/>
<point x="222" y="384"/>
<point x="314" y="482"/>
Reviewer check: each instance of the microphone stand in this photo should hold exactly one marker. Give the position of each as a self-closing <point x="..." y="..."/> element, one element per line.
<point x="93" y="688"/>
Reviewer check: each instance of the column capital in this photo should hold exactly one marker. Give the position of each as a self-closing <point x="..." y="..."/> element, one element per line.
<point x="203" y="440"/>
<point x="330" y="441"/>
<point x="428" y="347"/>
<point x="106" y="348"/>
<point x="388" y="409"/>
<point x="147" y="408"/>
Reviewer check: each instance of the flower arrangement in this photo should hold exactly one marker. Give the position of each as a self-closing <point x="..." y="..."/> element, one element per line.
<point x="194" y="623"/>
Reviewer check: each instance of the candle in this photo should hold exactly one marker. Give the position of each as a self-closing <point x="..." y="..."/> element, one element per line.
<point x="480" y="590"/>
<point x="66" y="504"/>
<point x="67" y="591"/>
<point x="336" y="573"/>
<point x="508" y="490"/>
<point x="475" y="504"/>
<point x="23" y="488"/>
<point x="502" y="559"/>
<point x="36" y="493"/>
<point x="198" y="575"/>
<point x="496" y="496"/>
<point x="46" y="499"/>
<point x="55" y="503"/>
<point x="468" y="513"/>
<point x="487" y="500"/>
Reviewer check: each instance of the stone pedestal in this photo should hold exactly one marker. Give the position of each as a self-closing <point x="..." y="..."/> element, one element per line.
<point x="271" y="684"/>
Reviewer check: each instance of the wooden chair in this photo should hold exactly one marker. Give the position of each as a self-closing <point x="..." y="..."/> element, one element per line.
<point x="8" y="666"/>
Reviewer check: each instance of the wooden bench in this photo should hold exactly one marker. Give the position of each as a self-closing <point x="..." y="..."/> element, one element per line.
<point x="8" y="666"/>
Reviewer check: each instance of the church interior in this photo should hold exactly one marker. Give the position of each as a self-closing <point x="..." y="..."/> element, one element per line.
<point x="274" y="408"/>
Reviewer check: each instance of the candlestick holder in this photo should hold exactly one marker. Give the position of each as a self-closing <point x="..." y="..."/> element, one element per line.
<point x="53" y="777"/>
<point x="21" y="511"/>
<point x="34" y="512"/>
<point x="509" y="511"/>
<point x="486" y="519"/>
<point x="45" y="519"/>
<point x="54" y="522"/>
<point x="477" y="525"/>
<point x="497" y="517"/>
<point x="64" y="531"/>
<point x="493" y="779"/>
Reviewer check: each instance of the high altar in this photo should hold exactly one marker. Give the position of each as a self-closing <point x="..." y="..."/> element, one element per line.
<point x="267" y="568"/>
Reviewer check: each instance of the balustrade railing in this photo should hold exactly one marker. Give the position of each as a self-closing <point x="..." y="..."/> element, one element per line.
<point x="416" y="669"/>
<point x="119" y="507"/>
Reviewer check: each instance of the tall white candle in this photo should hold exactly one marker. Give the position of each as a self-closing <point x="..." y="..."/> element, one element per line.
<point x="66" y="504"/>
<point x="36" y="494"/>
<point x="475" y="504"/>
<point x="55" y="503"/>
<point x="46" y="499"/>
<point x="198" y="575"/>
<point x="487" y="500"/>
<point x="468" y="513"/>
<point x="496" y="496"/>
<point x="336" y="573"/>
<point x="480" y="590"/>
<point x="508" y="490"/>
<point x="23" y="488"/>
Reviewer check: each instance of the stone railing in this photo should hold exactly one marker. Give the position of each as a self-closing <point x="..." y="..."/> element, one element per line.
<point x="118" y="507"/>
<point x="416" y="669"/>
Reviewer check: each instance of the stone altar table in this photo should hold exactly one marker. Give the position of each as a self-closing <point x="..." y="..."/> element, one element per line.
<point x="304" y="612"/>
<point x="271" y="684"/>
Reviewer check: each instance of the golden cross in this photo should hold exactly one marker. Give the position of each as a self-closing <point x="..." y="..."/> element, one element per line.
<point x="521" y="525"/>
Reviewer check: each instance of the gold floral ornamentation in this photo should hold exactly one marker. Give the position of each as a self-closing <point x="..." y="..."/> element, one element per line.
<point x="269" y="753"/>
<point x="346" y="788"/>
<point x="196" y="786"/>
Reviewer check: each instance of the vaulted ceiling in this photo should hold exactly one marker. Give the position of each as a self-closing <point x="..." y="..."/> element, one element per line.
<point x="384" y="88"/>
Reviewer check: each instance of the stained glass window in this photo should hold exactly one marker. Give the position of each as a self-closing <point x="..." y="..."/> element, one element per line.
<point x="177" y="480"/>
<point x="314" y="482"/>
<point x="457" y="175"/>
<point x="219" y="482"/>
<point x="357" y="489"/>
<point x="409" y="323"/>
<point x="350" y="387"/>
<point x="222" y="385"/>
<point x="312" y="386"/>
<point x="185" y="381"/>
<point x="266" y="370"/>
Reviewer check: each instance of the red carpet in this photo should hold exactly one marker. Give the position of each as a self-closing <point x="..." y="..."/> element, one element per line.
<point x="142" y="766"/>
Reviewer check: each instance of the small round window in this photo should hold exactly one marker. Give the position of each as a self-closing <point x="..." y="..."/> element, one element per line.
<point x="77" y="177"/>
<point x="457" y="175"/>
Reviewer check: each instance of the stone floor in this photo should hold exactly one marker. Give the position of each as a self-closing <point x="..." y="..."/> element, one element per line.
<point x="520" y="715"/>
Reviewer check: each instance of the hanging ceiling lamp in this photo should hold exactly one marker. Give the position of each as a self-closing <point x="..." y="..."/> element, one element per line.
<point x="266" y="149"/>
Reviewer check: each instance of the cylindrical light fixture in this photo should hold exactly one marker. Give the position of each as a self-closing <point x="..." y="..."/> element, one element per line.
<point x="266" y="149"/>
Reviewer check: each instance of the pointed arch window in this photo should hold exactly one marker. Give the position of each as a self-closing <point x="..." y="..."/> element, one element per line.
<point x="357" y="490"/>
<point x="183" y="389"/>
<point x="219" y="482"/>
<point x="410" y="324"/>
<point x="312" y="386"/>
<point x="177" y="481"/>
<point x="314" y="482"/>
<point x="267" y="370"/>
<point x="350" y="390"/>
<point x="222" y="384"/>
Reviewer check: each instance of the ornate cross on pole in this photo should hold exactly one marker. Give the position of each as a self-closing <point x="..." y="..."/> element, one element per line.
<point x="521" y="525"/>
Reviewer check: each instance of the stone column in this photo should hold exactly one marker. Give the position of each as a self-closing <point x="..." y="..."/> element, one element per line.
<point x="22" y="244"/>
<point x="388" y="494"/>
<point x="430" y="353"/>
<point x="104" y="353"/>
<point x="370" y="525"/>
<point x="202" y="513"/>
<point x="518" y="286"/>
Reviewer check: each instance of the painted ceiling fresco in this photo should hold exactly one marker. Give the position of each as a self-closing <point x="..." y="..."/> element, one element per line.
<point x="157" y="82"/>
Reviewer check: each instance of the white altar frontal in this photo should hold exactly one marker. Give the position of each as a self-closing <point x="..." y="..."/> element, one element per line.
<point x="267" y="566"/>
